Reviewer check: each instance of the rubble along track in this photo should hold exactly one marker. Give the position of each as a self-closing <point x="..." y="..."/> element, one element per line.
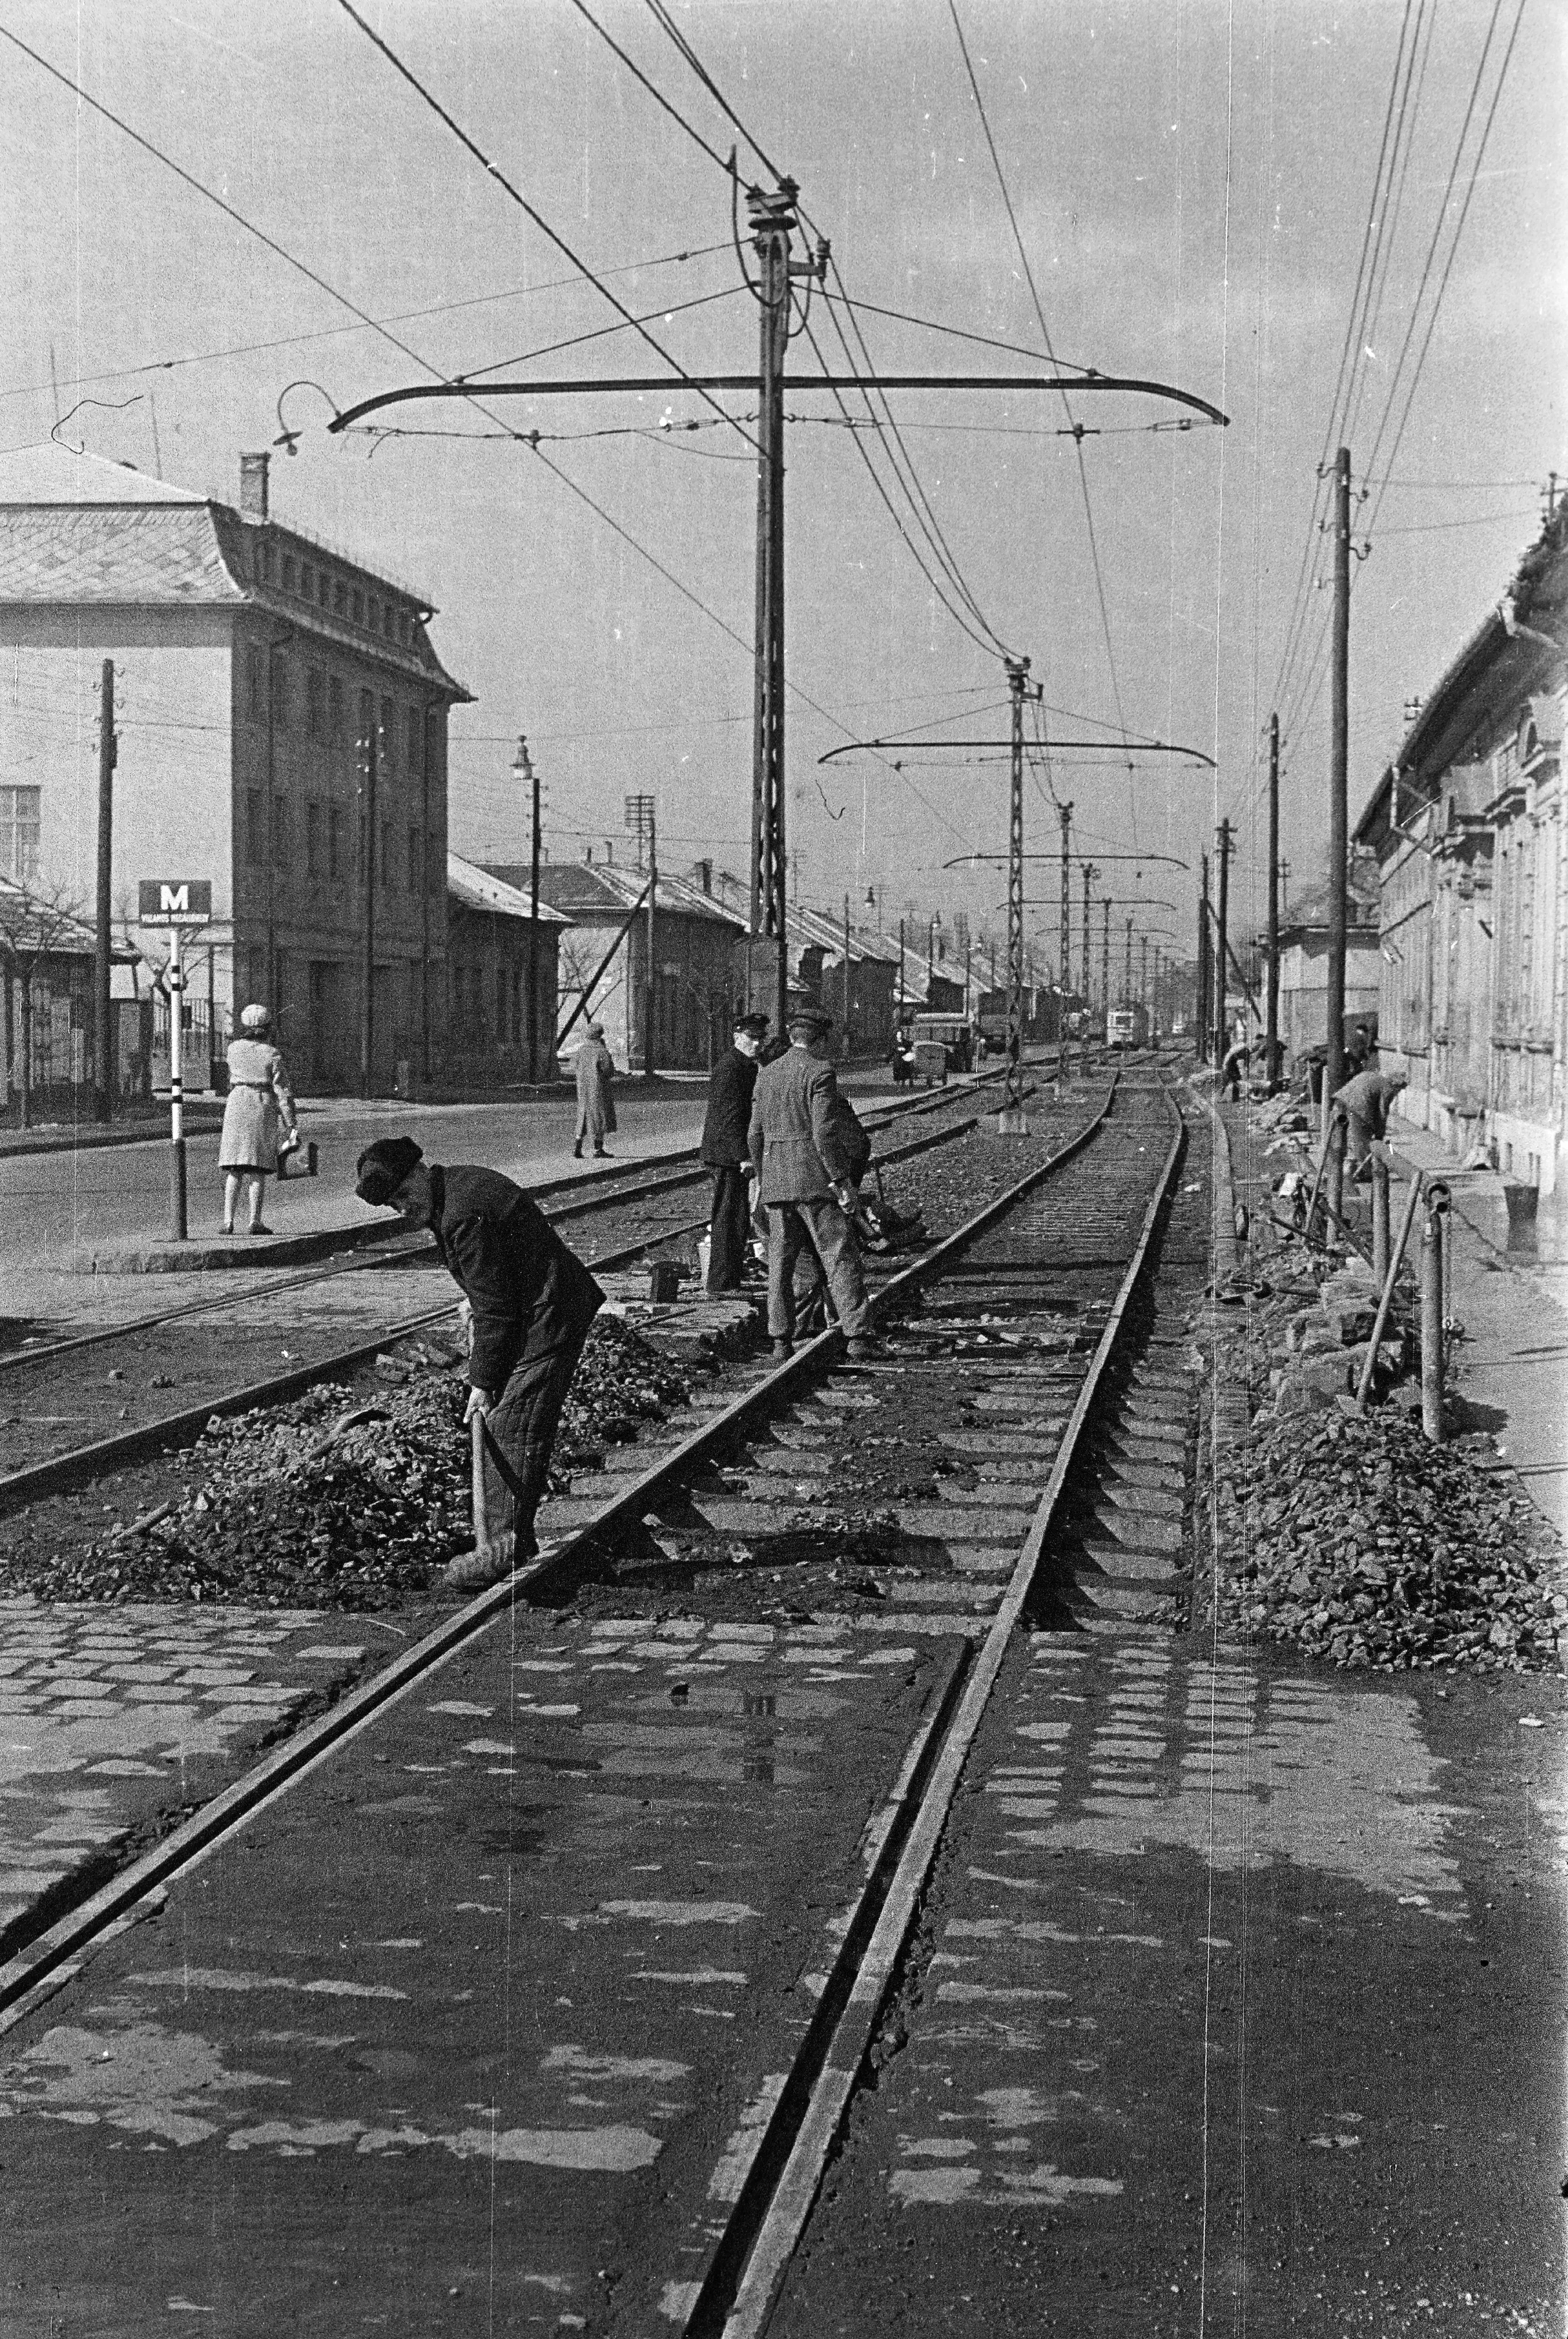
<point x="149" y="1351"/>
<point x="1032" y="1264"/>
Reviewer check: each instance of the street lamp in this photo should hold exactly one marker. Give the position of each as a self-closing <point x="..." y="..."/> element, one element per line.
<point x="525" y="777"/>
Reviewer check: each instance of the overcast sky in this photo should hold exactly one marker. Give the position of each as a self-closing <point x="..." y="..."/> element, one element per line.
<point x="1192" y="183"/>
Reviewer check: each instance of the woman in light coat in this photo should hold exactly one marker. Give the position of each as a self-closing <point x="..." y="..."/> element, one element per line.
<point x="596" y="1071"/>
<point x="258" y="1101"/>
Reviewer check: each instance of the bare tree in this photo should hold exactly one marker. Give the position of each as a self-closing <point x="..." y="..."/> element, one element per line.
<point x="36" y="924"/>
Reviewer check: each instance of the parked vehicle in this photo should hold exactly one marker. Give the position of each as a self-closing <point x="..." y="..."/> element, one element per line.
<point x="942" y="1045"/>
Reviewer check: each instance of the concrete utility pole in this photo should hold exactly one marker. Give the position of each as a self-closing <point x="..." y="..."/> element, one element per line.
<point x="1271" y="1020"/>
<point x="523" y="768"/>
<point x="1201" y="1018"/>
<point x="1088" y="874"/>
<point x="773" y="220"/>
<point x="1105" y="964"/>
<point x="1018" y="685"/>
<point x="102" y="1086"/>
<point x="1143" y="971"/>
<point x="1338" y="777"/>
<point x="1127" y="969"/>
<point x="1220" y="1037"/>
<point x="368" y="767"/>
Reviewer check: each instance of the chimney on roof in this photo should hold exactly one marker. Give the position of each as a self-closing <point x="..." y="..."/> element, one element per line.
<point x="706" y="871"/>
<point x="253" y="470"/>
<point x="588" y="856"/>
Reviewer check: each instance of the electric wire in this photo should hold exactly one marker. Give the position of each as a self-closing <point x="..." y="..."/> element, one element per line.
<point x="666" y="24"/>
<point x="531" y="211"/>
<point x="652" y="90"/>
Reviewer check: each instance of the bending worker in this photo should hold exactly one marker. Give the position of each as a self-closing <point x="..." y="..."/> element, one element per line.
<point x="797" y="1141"/>
<point x="723" y="1151"/>
<point x="1364" y="1102"/>
<point x="532" y="1302"/>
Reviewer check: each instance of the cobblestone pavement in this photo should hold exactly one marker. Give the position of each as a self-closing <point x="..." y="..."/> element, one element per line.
<point x="109" y="1714"/>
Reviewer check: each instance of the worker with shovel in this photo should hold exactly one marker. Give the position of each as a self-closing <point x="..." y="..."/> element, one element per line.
<point x="531" y="1302"/>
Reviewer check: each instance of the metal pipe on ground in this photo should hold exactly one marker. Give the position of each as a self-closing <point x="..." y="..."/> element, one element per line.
<point x="1380" y="1229"/>
<point x="1386" y="1301"/>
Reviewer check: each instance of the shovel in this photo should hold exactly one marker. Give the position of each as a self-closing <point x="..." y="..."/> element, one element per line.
<point x="491" y="1558"/>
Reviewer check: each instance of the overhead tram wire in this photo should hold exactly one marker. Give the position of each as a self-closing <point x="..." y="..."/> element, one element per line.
<point x="1369" y="339"/>
<point x="531" y="212"/>
<point x="656" y="93"/>
<point x="1049" y="350"/>
<point x="666" y="24"/>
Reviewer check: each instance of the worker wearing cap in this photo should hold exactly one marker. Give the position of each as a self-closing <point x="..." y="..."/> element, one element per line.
<point x="532" y="1302"/>
<point x="797" y="1141"/>
<point x="725" y="1128"/>
<point x="1364" y="1102"/>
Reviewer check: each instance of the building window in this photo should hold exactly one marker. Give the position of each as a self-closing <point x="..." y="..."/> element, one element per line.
<point x="367" y="722"/>
<point x="255" y="836"/>
<point x="255" y="686"/>
<point x="307" y="580"/>
<point x="414" y="757"/>
<point x="335" y="709"/>
<point x="388" y="734"/>
<point x="315" y="703"/>
<point x="413" y="860"/>
<point x="375" y="615"/>
<point x="359" y="605"/>
<point x="322" y="587"/>
<point x="279" y="832"/>
<point x="503" y="999"/>
<point x="21" y="821"/>
<point x="312" y="839"/>
<point x="334" y="843"/>
<point x="288" y="572"/>
<point x="339" y="598"/>
<point x="386" y="854"/>
<point x="261" y="564"/>
<point x="279" y="693"/>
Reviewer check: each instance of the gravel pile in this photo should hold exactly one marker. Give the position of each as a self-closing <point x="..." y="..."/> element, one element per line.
<point x="1364" y="1544"/>
<point x="351" y="1499"/>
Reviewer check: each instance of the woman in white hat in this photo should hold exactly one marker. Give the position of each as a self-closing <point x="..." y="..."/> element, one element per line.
<point x="258" y="1098"/>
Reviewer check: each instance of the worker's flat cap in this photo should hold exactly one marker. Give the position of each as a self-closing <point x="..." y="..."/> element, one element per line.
<point x="809" y="1018"/>
<point x="381" y="1169"/>
<point x="756" y="1024"/>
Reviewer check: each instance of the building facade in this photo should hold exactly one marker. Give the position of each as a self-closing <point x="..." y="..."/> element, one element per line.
<point x="497" y="962"/>
<point x="281" y="725"/>
<point x="1303" y="971"/>
<point x="1468" y="824"/>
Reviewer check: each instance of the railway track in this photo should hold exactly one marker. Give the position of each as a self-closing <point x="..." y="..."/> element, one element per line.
<point x="998" y="1341"/>
<point x="59" y="1415"/>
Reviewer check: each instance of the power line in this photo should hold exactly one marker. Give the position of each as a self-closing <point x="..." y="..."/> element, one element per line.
<point x="652" y="90"/>
<point x="666" y="24"/>
<point x="958" y="333"/>
<point x="529" y="210"/>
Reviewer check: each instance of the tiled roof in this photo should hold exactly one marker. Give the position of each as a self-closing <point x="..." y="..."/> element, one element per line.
<point x="482" y="889"/>
<point x="594" y="893"/>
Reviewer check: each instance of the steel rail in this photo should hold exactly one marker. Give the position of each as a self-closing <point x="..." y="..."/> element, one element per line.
<point x="789" y="2193"/>
<point x="81" y="1464"/>
<point x="389" y="1250"/>
<point x="46" y="1963"/>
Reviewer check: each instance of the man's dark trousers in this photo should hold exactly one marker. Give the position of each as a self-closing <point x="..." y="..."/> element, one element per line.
<point x="522" y="1423"/>
<point x="730" y="1231"/>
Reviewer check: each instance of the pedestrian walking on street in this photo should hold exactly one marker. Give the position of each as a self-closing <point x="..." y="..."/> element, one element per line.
<point x="725" y="1127"/>
<point x="259" y="1104"/>
<point x="797" y="1141"/>
<point x="1365" y="1102"/>
<point x="596" y="1071"/>
<point x="532" y="1302"/>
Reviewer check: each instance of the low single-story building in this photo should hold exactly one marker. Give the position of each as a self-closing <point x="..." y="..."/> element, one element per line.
<point x="494" y="956"/>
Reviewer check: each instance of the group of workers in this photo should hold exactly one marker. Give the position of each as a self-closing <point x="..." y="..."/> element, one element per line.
<point x="773" y="1112"/>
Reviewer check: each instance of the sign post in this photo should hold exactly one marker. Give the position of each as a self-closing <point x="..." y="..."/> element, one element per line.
<point x="175" y="902"/>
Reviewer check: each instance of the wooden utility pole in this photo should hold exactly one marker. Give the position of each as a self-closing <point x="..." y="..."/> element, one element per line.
<point x="524" y="765"/>
<point x="1127" y="969"/>
<point x="1105" y="964"/>
<point x="1222" y="936"/>
<point x="1143" y="971"/>
<point x="1202" y="1016"/>
<point x="650" y="1000"/>
<point x="368" y="767"/>
<point x="1087" y="878"/>
<point x="1271" y="1019"/>
<point x="102" y="1085"/>
<point x="1338" y="777"/>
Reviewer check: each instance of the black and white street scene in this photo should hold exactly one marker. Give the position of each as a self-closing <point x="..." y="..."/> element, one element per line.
<point x="783" y="1168"/>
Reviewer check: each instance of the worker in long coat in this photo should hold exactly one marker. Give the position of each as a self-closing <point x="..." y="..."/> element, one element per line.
<point x="725" y="1127"/>
<point x="596" y="1071"/>
<point x="260" y="1106"/>
<point x="1364" y="1102"/>
<point x="797" y="1139"/>
<point x="532" y="1302"/>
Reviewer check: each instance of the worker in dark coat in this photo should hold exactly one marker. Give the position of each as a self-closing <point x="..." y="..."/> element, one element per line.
<point x="1364" y="1102"/>
<point x="797" y="1141"/>
<point x="531" y="1301"/>
<point x="725" y="1128"/>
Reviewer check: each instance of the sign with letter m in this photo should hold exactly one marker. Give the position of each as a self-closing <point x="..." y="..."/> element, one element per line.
<point x="174" y="901"/>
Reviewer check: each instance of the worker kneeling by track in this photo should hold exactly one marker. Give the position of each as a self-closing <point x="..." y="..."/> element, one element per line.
<point x="798" y="1142"/>
<point x="532" y="1304"/>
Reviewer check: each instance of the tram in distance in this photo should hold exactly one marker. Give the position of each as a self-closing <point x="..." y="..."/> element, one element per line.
<point x="1128" y="1027"/>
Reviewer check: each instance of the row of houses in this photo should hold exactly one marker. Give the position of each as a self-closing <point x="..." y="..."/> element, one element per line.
<point x="280" y="729"/>
<point x="1466" y="823"/>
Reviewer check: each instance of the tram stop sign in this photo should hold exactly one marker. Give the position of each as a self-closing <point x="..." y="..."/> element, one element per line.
<point x="174" y="901"/>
